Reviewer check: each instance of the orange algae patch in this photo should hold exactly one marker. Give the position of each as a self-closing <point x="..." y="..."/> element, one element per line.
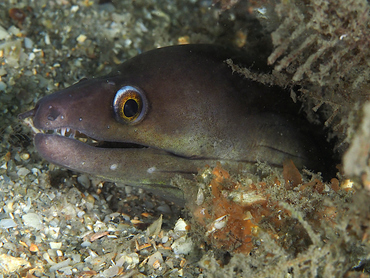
<point x="235" y="213"/>
<point x="230" y="225"/>
<point x="236" y="233"/>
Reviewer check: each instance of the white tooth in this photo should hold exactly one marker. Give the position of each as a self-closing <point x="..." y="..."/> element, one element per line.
<point x="67" y="129"/>
<point x="63" y="131"/>
<point x="72" y="134"/>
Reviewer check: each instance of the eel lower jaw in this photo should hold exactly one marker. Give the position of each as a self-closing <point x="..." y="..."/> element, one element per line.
<point x="82" y="155"/>
<point x="148" y="168"/>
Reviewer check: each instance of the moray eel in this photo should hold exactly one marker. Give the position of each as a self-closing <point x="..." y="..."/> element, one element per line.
<point x="171" y="111"/>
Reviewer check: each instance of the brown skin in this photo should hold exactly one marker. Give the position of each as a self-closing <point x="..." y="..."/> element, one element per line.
<point x="198" y="112"/>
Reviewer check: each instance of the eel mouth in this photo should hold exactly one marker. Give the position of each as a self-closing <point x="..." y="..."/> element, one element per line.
<point x="77" y="135"/>
<point x="82" y="137"/>
<point x="74" y="134"/>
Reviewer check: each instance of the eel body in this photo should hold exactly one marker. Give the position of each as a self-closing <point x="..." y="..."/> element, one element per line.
<point x="170" y="111"/>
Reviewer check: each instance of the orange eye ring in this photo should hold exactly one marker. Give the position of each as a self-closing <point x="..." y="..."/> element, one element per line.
<point x="130" y="105"/>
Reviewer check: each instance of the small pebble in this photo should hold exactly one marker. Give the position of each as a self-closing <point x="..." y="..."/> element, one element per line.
<point x="182" y="245"/>
<point x="28" y="43"/>
<point x="7" y="223"/>
<point x="60" y="265"/>
<point x="33" y="220"/>
<point x="55" y="245"/>
<point x="22" y="172"/>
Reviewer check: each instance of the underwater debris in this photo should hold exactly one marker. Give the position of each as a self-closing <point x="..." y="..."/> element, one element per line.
<point x="10" y="264"/>
<point x="237" y="214"/>
<point x="356" y="159"/>
<point x="323" y="48"/>
<point x="324" y="34"/>
<point x="17" y="15"/>
<point x="290" y="225"/>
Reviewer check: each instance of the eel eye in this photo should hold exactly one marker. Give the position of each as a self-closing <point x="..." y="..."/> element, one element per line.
<point x="130" y="105"/>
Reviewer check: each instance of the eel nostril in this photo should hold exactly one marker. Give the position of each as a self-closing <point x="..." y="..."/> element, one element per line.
<point x="53" y="114"/>
<point x="27" y="114"/>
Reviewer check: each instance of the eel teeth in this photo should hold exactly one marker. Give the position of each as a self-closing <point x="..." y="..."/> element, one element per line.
<point x="72" y="134"/>
<point x="66" y="131"/>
